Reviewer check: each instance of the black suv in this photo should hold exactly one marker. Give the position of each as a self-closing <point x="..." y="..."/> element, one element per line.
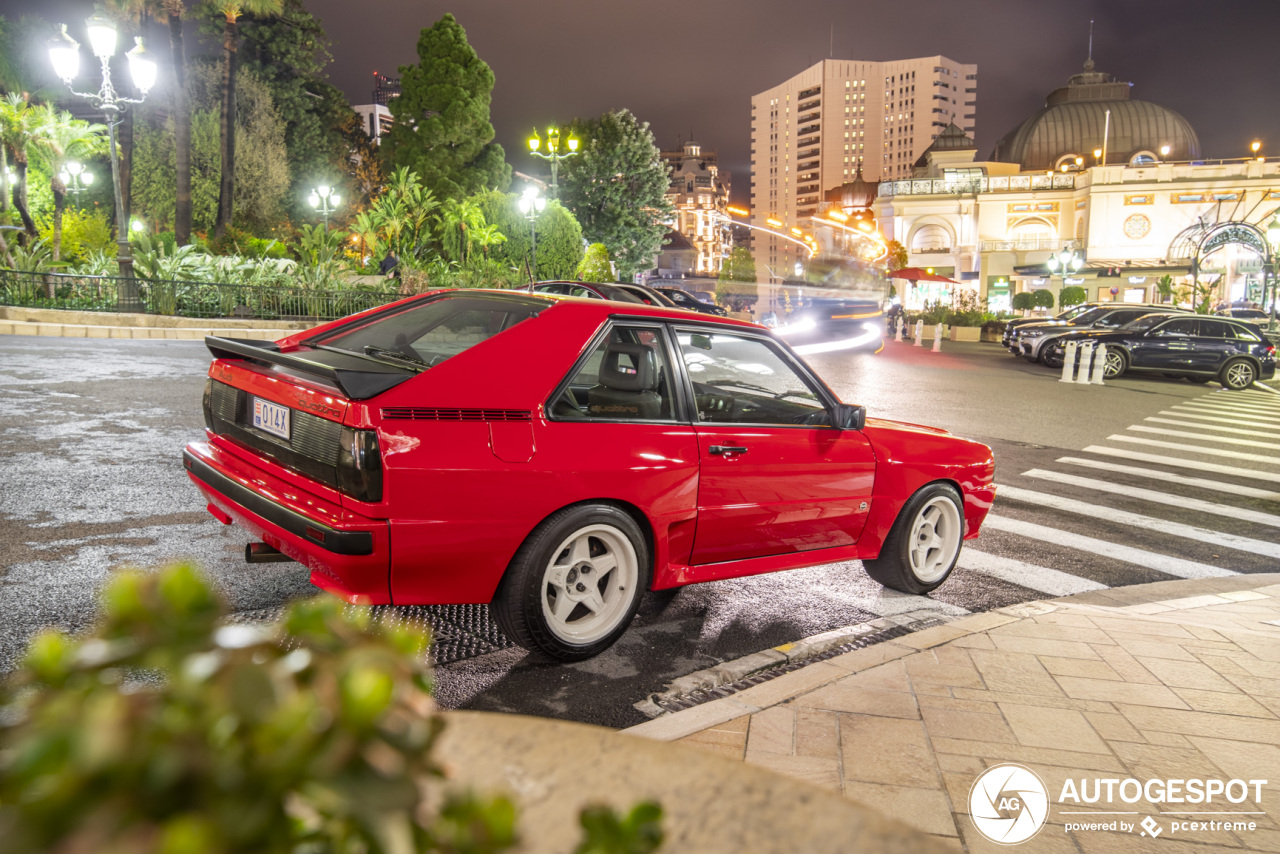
<point x="1197" y="347"/>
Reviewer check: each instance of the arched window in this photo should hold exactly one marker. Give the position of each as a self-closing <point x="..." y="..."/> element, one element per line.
<point x="1143" y="158"/>
<point x="1033" y="234"/>
<point x="931" y="238"/>
<point x="1070" y="161"/>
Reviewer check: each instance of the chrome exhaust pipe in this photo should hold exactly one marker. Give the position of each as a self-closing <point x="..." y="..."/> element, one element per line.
<point x="263" y="553"/>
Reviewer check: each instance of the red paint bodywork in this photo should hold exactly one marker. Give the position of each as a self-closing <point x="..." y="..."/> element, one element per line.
<point x="459" y="498"/>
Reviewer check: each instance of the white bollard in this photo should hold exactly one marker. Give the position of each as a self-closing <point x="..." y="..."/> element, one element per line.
<point x="1068" y="363"/>
<point x="1086" y="361"/>
<point x="897" y="329"/>
<point x="937" y="338"/>
<point x="1099" y="365"/>
<point x="919" y="332"/>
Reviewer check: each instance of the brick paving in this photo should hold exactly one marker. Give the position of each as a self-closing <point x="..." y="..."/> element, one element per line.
<point x="1172" y="680"/>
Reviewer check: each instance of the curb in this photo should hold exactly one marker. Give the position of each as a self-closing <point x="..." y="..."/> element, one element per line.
<point x="75" y="330"/>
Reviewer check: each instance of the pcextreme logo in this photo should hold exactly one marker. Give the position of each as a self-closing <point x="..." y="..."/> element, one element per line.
<point x="1008" y="803"/>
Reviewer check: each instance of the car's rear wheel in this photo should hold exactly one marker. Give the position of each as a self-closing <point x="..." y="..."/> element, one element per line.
<point x="923" y="544"/>
<point x="1238" y="374"/>
<point x="1116" y="364"/>
<point x="575" y="584"/>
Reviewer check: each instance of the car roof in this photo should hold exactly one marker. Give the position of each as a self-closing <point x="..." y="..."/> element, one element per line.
<point x="609" y="308"/>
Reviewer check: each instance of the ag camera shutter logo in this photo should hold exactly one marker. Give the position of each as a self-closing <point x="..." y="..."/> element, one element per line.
<point x="1008" y="803"/>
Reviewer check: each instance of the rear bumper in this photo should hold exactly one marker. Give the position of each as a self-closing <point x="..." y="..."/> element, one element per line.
<point x="348" y="555"/>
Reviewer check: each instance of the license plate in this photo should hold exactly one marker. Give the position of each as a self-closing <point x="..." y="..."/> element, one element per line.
<point x="271" y="417"/>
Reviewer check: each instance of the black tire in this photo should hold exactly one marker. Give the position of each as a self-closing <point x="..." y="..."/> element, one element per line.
<point x="1238" y="374"/>
<point x="524" y="603"/>
<point x="1052" y="356"/>
<point x="894" y="567"/>
<point x="1117" y="364"/>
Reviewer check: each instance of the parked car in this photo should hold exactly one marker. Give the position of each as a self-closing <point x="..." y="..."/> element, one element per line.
<point x="557" y="458"/>
<point x="1199" y="348"/>
<point x="1243" y="313"/>
<point x="646" y="294"/>
<point x="1009" y="339"/>
<point x="589" y="290"/>
<point x="686" y="301"/>
<point x="1032" y="339"/>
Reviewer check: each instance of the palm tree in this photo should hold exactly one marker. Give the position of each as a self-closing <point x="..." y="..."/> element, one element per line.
<point x="457" y="220"/>
<point x="18" y="127"/>
<point x="61" y="138"/>
<point x="231" y="10"/>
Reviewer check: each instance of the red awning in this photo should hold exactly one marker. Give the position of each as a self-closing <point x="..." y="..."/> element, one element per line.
<point x="918" y="274"/>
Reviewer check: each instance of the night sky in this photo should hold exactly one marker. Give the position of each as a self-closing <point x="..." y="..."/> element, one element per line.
<point x="692" y="66"/>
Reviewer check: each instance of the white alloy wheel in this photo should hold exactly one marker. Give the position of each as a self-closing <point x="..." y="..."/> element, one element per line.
<point x="589" y="584"/>
<point x="936" y="533"/>
<point x="1238" y="374"/>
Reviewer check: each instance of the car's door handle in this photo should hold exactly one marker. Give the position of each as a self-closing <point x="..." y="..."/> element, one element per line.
<point x="721" y="450"/>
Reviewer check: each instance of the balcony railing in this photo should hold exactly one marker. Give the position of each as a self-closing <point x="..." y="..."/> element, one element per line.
<point x="985" y="184"/>
<point x="814" y="116"/>
<point x="808" y="129"/>
<point x="1033" y="244"/>
<point x="809" y="105"/>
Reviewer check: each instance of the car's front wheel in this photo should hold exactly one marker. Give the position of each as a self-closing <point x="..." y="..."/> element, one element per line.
<point x="1053" y="355"/>
<point x="923" y="544"/>
<point x="575" y="584"/>
<point x="1117" y="363"/>
<point x="1238" y="374"/>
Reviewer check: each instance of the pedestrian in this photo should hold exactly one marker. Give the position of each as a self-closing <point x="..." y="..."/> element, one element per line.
<point x="388" y="266"/>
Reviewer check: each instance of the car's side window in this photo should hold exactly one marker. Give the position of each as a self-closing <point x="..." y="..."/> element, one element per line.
<point x="626" y="378"/>
<point x="1241" y="334"/>
<point x="1215" y="329"/>
<point x="1177" y="328"/>
<point x="742" y="380"/>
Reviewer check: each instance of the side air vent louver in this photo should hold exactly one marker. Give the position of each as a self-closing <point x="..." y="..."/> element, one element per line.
<point x="414" y="413"/>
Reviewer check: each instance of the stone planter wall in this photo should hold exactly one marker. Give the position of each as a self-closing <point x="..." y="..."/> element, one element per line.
<point x="966" y="333"/>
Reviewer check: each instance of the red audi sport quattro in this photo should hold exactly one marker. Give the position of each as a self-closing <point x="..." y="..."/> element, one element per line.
<point x="557" y="457"/>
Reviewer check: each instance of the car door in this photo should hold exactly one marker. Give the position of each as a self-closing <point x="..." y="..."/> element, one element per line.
<point x="774" y="477"/>
<point x="1168" y="346"/>
<point x="1215" y="344"/>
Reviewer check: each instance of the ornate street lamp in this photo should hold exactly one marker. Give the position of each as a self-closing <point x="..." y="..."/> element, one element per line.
<point x="531" y="205"/>
<point x="64" y="53"/>
<point x="553" y="152"/>
<point x="76" y="178"/>
<point x="1069" y="262"/>
<point x="325" y="200"/>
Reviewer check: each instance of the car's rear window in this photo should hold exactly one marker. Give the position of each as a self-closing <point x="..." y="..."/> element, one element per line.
<point x="434" y="330"/>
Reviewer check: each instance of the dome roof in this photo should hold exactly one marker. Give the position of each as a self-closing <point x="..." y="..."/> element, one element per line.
<point x="1073" y="119"/>
<point x="853" y="195"/>
<point x="952" y="138"/>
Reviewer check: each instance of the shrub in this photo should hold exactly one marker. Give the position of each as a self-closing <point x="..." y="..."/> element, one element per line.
<point x="1071" y="295"/>
<point x="596" y="266"/>
<point x="166" y="731"/>
<point x="83" y="232"/>
<point x="1023" y="301"/>
<point x="1042" y="299"/>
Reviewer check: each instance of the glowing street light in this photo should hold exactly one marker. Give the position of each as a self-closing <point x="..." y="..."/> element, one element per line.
<point x="1273" y="238"/>
<point x="531" y="205"/>
<point x="325" y="200"/>
<point x="553" y="152"/>
<point x="76" y="178"/>
<point x="64" y="54"/>
<point x="1069" y="261"/>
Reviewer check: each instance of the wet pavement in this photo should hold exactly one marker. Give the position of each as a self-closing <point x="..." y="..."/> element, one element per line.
<point x="92" y="481"/>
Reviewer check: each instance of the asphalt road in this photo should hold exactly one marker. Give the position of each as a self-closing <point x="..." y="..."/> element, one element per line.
<point x="92" y="481"/>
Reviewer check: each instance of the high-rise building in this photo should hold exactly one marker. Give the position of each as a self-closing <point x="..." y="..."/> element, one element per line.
<point x="839" y="118"/>
<point x="376" y="118"/>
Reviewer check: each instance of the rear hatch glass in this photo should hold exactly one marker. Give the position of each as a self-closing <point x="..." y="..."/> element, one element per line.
<point x="424" y="334"/>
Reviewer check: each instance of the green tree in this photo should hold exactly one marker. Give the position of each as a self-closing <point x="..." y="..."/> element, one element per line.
<point x="616" y="187"/>
<point x="1023" y="301"/>
<point x="1164" y="287"/>
<point x="442" y="128"/>
<point x="1042" y="298"/>
<point x="595" y="265"/>
<point x="398" y="220"/>
<point x="19" y="127"/>
<point x="897" y="257"/>
<point x="457" y="221"/>
<point x="289" y="53"/>
<point x="1071" y="295"/>
<point x="60" y="139"/>
<point x="230" y="12"/>
<point x="739" y="266"/>
<point x="559" y="237"/>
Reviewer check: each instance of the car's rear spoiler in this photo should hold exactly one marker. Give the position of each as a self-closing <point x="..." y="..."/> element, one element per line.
<point x="355" y="377"/>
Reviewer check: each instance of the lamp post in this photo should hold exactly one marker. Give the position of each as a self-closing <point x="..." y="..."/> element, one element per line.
<point x="76" y="178"/>
<point x="553" y="152"/>
<point x="325" y="200"/>
<point x="64" y="53"/>
<point x="1273" y="238"/>
<point x="1069" y="262"/>
<point x="531" y="204"/>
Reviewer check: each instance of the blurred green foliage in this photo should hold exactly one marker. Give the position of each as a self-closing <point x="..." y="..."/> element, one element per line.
<point x="167" y="730"/>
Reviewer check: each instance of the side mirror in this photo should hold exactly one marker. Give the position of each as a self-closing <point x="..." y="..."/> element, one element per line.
<point x="849" y="417"/>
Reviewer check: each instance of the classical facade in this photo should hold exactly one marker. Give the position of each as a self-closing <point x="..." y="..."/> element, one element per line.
<point x="841" y="118"/>
<point x="699" y="196"/>
<point x="1119" y="181"/>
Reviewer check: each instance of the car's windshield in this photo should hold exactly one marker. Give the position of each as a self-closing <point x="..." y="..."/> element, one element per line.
<point x="1074" y="311"/>
<point x="426" y="333"/>
<point x="1090" y="316"/>
<point x="617" y="294"/>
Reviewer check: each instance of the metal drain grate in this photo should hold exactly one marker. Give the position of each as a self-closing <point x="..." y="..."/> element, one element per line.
<point x="458" y="632"/>
<point x="695" y="698"/>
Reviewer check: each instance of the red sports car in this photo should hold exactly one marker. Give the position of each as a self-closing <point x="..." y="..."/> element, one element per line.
<point x="557" y="457"/>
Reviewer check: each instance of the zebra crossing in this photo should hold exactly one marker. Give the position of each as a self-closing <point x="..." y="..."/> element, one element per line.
<point x="1192" y="491"/>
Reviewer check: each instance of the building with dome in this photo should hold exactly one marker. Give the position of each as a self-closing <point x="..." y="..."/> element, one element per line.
<point x="1121" y="182"/>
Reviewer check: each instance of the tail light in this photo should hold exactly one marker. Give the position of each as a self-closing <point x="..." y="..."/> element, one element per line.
<point x="360" y="465"/>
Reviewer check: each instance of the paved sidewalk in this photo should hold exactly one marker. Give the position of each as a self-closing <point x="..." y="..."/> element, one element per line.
<point x="1175" y="680"/>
